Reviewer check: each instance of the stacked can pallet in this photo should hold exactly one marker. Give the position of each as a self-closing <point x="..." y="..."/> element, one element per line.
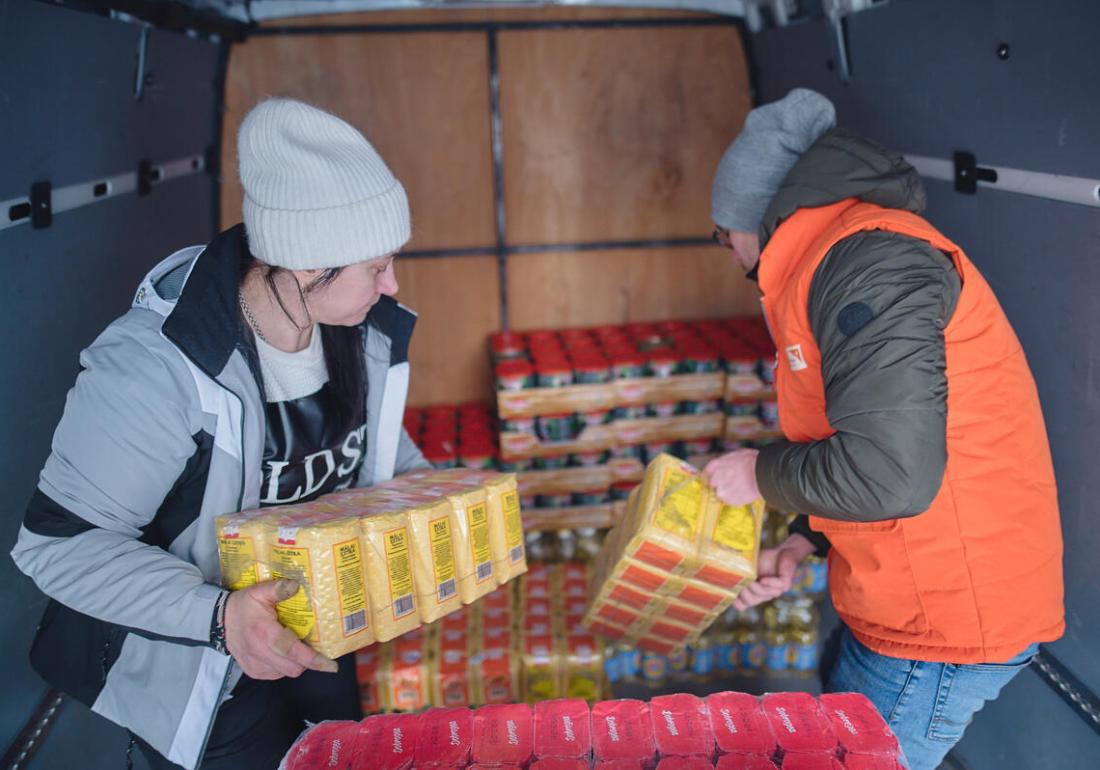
<point x="582" y="410"/>
<point x="523" y="642"/>
<point x="455" y="436"/>
<point x="729" y="730"/>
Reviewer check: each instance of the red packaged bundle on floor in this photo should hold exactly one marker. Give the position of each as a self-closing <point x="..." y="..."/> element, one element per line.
<point x="680" y="726"/>
<point x="739" y="724"/>
<point x="799" y="723"/>
<point x="323" y="746"/>
<point x="858" y="725"/>
<point x="445" y="738"/>
<point x="621" y="729"/>
<point x="619" y="764"/>
<point x="811" y="762"/>
<point x="684" y="763"/>
<point x="503" y="735"/>
<point x="870" y="762"/>
<point x="744" y="762"/>
<point x="560" y="764"/>
<point x="563" y="729"/>
<point x="388" y="741"/>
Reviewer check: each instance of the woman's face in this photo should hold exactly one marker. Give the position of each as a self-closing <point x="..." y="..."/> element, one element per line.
<point x="346" y="300"/>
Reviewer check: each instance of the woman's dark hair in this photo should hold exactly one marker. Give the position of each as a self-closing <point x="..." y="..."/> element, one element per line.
<point x="344" y="358"/>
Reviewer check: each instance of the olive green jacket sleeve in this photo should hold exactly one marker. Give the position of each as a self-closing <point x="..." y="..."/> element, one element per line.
<point x="878" y="306"/>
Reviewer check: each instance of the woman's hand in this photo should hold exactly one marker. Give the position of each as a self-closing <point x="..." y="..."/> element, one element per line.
<point x="733" y="477"/>
<point x="261" y="645"/>
<point x="775" y="570"/>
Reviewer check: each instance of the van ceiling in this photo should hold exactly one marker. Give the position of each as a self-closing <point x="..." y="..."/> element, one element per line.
<point x="260" y="10"/>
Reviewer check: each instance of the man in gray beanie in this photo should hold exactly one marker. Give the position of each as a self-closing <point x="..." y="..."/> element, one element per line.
<point x="239" y="379"/>
<point x="919" y="507"/>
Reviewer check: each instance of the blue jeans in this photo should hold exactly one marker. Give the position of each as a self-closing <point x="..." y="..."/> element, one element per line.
<point x="928" y="705"/>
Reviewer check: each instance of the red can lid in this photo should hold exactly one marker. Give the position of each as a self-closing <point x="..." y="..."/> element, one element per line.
<point x="581" y="344"/>
<point x="438" y="451"/>
<point x="515" y="368"/>
<point x="625" y="485"/>
<point x="590" y="362"/>
<point x="540" y="335"/>
<point x="700" y="351"/>
<point x="506" y="342"/>
<point x="549" y="367"/>
<point x="663" y="356"/>
<point x="627" y="357"/>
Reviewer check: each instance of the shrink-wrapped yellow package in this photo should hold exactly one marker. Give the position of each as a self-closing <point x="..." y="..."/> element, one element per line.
<point x="323" y="552"/>
<point x="433" y="545"/>
<point x="241" y="542"/>
<point x="505" y="517"/>
<point x="388" y="555"/>
<point x="473" y="549"/>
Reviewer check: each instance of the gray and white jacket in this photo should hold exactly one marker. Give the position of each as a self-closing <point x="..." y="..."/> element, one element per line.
<point x="163" y="431"/>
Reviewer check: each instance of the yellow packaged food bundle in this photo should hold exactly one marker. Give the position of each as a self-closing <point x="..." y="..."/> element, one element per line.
<point x="434" y="541"/>
<point x="505" y="517"/>
<point x="675" y="562"/>
<point x="322" y="551"/>
<point x="473" y="551"/>
<point x="678" y="525"/>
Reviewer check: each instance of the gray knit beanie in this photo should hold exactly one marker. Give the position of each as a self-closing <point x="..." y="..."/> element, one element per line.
<point x="754" y="165"/>
<point x="316" y="194"/>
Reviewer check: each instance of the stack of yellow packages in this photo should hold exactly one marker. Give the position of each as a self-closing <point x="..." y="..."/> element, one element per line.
<point x="674" y="563"/>
<point x="560" y="659"/>
<point x="376" y="563"/>
<point x="468" y="658"/>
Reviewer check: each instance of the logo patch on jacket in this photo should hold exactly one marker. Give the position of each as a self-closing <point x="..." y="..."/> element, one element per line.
<point x="795" y="358"/>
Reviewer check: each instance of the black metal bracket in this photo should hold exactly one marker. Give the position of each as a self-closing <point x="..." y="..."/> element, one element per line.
<point x="145" y="177"/>
<point x="968" y="173"/>
<point x="41" y="205"/>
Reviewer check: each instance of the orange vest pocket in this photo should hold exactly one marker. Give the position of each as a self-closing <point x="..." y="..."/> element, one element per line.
<point x="871" y="578"/>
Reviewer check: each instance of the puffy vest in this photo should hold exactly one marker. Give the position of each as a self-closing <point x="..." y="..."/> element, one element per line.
<point x="978" y="576"/>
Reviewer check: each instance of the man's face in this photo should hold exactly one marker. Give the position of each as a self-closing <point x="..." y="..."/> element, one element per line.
<point x="745" y="247"/>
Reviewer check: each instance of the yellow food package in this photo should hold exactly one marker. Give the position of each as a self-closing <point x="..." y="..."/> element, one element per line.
<point x="473" y="549"/>
<point x="388" y="555"/>
<point x="642" y="578"/>
<point x="433" y="542"/>
<point x="323" y="552"/>
<point x="241" y="543"/>
<point x="407" y="675"/>
<point x="582" y="669"/>
<point x="677" y="525"/>
<point x="505" y="518"/>
<point x="542" y="666"/>
<point x="452" y="678"/>
<point x="497" y="676"/>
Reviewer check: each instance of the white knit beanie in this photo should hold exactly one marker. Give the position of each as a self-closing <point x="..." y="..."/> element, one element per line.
<point x="316" y="194"/>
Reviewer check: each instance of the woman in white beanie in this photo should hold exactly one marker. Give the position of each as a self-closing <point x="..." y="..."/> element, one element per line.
<point x="267" y="367"/>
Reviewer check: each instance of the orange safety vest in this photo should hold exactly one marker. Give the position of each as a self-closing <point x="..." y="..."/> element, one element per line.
<point x="978" y="576"/>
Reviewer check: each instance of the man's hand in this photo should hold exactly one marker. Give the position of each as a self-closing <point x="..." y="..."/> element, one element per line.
<point x="263" y="647"/>
<point x="733" y="476"/>
<point x="775" y="570"/>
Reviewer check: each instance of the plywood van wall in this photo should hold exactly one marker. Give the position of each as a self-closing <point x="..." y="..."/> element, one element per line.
<point x="610" y="136"/>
